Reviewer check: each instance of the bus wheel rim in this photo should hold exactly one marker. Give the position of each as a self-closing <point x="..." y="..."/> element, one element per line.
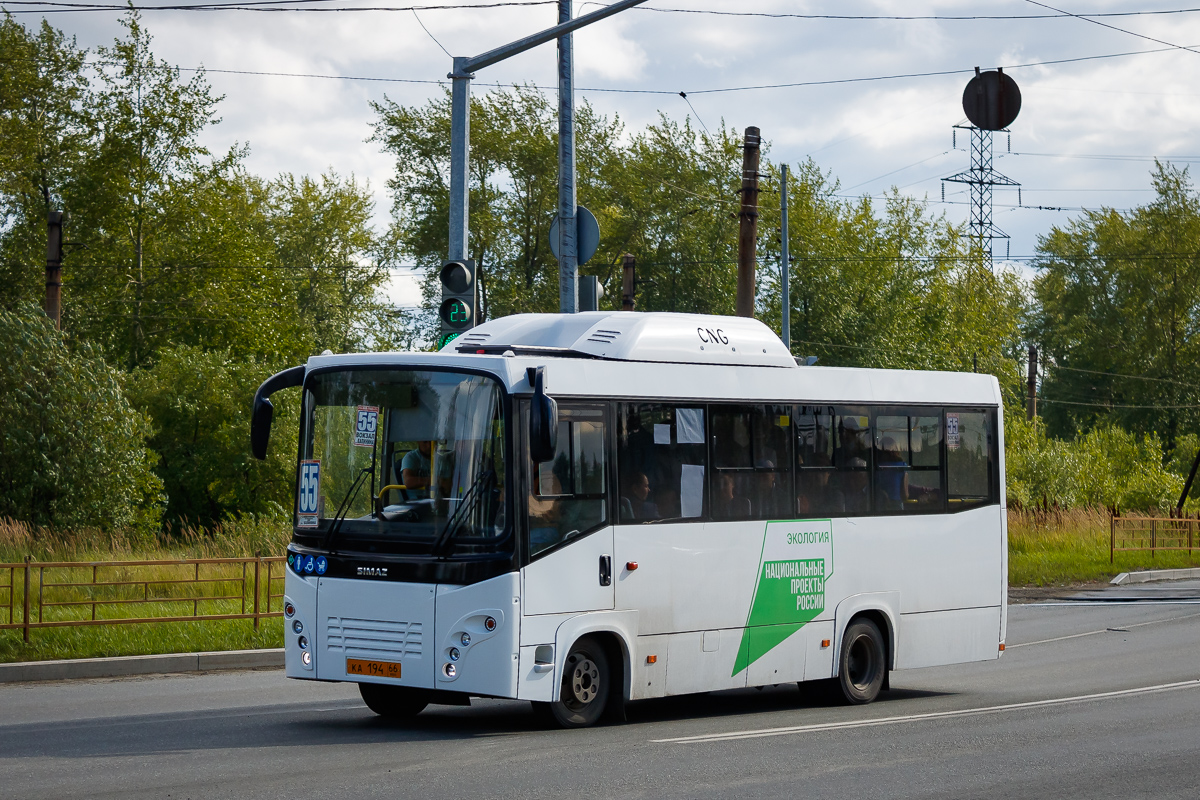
<point x="585" y="681"/>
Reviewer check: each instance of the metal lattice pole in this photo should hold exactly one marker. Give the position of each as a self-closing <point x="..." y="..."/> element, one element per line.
<point x="981" y="178"/>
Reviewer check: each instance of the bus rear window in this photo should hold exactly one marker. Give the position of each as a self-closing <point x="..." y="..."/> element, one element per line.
<point x="969" y="461"/>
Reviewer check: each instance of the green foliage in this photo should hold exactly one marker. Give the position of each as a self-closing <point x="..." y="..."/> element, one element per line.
<point x="200" y="404"/>
<point x="43" y="142"/>
<point x="1117" y="296"/>
<point x="73" y="450"/>
<point x="1104" y="467"/>
<point x="892" y="287"/>
<point x="181" y="246"/>
<point x="665" y="195"/>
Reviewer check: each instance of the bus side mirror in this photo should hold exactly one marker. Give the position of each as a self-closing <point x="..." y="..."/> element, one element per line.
<point x="262" y="411"/>
<point x="543" y="420"/>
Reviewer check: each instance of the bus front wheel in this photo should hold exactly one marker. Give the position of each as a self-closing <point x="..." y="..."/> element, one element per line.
<point x="586" y="684"/>
<point x="863" y="666"/>
<point x="393" y="702"/>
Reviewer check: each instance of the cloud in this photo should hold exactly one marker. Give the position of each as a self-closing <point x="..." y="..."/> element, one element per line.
<point x="1139" y="105"/>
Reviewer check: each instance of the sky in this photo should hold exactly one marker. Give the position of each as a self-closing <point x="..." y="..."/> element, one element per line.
<point x="1086" y="137"/>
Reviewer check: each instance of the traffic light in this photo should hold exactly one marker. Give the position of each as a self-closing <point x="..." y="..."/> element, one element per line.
<point x="459" y="311"/>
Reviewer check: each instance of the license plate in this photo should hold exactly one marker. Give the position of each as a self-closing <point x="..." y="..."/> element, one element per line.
<point x="372" y="669"/>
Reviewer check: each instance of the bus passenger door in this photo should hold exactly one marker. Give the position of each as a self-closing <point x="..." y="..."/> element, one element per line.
<point x="568" y="532"/>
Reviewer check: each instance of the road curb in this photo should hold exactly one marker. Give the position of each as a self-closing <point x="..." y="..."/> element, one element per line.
<point x="1155" y="575"/>
<point x="140" y="665"/>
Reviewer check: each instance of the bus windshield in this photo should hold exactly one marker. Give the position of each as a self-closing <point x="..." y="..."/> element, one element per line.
<point x="403" y="461"/>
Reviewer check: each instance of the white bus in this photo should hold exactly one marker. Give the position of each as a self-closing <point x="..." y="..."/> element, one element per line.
<point x="583" y="510"/>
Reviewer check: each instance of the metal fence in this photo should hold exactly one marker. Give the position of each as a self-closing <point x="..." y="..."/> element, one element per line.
<point x="1153" y="534"/>
<point x="63" y="594"/>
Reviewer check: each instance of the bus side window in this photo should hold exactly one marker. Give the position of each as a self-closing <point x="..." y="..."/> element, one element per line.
<point x="852" y="458"/>
<point x="908" y="461"/>
<point x="970" y="459"/>
<point x="833" y="461"/>
<point x="751" y="448"/>
<point x="568" y="494"/>
<point x="661" y="460"/>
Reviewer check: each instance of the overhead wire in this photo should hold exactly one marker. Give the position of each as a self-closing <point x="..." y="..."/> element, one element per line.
<point x="1113" y="27"/>
<point x="431" y="36"/>
<point x="300" y="5"/>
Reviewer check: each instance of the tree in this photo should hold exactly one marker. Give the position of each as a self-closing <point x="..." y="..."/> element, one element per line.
<point x="337" y="265"/>
<point x="44" y="140"/>
<point x="893" y="287"/>
<point x="674" y="204"/>
<point x="73" y="451"/>
<point x="149" y="164"/>
<point x="1118" y="315"/>
<point x="199" y="402"/>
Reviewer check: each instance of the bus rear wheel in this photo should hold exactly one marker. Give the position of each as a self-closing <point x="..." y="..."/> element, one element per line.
<point x="586" y="684"/>
<point x="863" y="667"/>
<point x="393" y="702"/>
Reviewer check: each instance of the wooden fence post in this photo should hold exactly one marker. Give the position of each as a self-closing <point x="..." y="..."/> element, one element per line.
<point x="1112" y="536"/>
<point x="25" y="600"/>
<point x="257" y="566"/>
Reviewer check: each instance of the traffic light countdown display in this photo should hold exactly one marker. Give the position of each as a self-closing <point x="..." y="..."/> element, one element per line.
<point x="458" y="312"/>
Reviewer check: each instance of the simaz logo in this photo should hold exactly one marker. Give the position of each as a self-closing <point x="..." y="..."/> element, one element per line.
<point x="372" y="572"/>
<point x="709" y="336"/>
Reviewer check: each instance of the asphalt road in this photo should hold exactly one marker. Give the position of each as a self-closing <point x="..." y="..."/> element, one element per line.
<point x="1091" y="701"/>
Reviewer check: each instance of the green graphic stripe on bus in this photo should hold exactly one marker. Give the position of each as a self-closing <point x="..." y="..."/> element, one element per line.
<point x="797" y="558"/>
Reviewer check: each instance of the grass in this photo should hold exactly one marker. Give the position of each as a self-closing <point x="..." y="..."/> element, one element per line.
<point x="234" y="539"/>
<point x="1057" y="547"/>
<point x="1046" y="548"/>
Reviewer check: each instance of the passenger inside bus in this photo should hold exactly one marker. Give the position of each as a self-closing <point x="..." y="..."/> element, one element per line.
<point x="727" y="505"/>
<point x="636" y="503"/>
<point x="891" y="477"/>
<point x="818" y="494"/>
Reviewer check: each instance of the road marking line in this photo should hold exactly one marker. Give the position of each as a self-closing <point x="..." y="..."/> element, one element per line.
<point x="868" y="723"/>
<point x="1106" y="630"/>
<point x="1106" y="603"/>
<point x="1055" y="639"/>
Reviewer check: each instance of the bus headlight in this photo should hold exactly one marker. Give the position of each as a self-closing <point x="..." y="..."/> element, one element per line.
<point x="303" y="642"/>
<point x="450" y="670"/>
<point x="297" y="626"/>
<point x="453" y="654"/>
<point x="306" y="658"/>
<point x="465" y="639"/>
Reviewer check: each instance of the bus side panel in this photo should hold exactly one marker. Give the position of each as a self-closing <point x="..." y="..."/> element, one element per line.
<point x="689" y="576"/>
<point x="702" y="661"/>
<point x="818" y="664"/>
<point x="650" y="679"/>
<point x="568" y="579"/>
<point x="948" y="637"/>
<point x="936" y="561"/>
<point x="783" y="663"/>
<point x="488" y="664"/>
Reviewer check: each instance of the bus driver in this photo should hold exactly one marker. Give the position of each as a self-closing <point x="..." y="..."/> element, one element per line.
<point x="415" y="470"/>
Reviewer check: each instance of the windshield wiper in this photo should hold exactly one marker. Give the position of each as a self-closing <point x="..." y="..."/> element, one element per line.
<point x="344" y="508"/>
<point x="466" y="504"/>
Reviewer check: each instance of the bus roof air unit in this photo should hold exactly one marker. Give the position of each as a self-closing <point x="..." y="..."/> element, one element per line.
<point x="631" y="336"/>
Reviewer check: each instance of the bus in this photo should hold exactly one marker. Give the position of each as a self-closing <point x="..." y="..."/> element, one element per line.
<point x="589" y="509"/>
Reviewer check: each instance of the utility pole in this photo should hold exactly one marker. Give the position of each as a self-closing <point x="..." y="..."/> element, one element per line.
<point x="786" y="266"/>
<point x="568" y="254"/>
<point x="460" y="131"/>
<point x="748" y="224"/>
<point x="54" y="251"/>
<point x="628" y="281"/>
<point x="1031" y="384"/>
